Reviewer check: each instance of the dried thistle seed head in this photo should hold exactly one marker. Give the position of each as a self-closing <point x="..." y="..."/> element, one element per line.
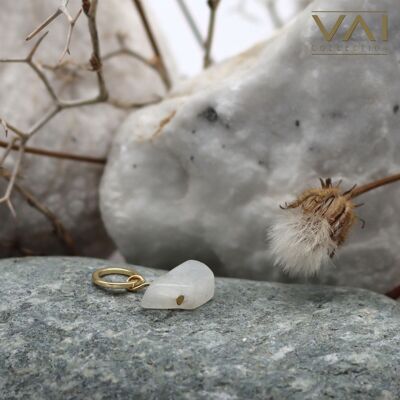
<point x="311" y="228"/>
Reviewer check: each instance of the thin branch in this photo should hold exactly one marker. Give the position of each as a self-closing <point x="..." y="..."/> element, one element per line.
<point x="191" y="22"/>
<point x="62" y="9"/>
<point x="35" y="47"/>
<point x="130" y="53"/>
<point x="45" y="119"/>
<point x="18" y="132"/>
<point x="51" y="153"/>
<point x="12" y="179"/>
<point x="35" y="67"/>
<point x="373" y="185"/>
<point x="213" y="5"/>
<point x="43" y="25"/>
<point x="60" y="231"/>
<point x="8" y="148"/>
<point x="19" y="143"/>
<point x="276" y="19"/>
<point x="95" y="59"/>
<point x="72" y="22"/>
<point x="132" y="105"/>
<point x="160" y="64"/>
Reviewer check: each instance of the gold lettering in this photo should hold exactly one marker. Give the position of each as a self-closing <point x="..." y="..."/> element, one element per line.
<point x="329" y="35"/>
<point x="385" y="28"/>
<point x="359" y="20"/>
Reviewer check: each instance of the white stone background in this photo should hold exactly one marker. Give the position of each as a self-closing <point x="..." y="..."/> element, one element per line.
<point x="240" y="24"/>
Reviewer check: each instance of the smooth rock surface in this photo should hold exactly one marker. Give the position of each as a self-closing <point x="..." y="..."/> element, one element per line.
<point x="187" y="286"/>
<point x="69" y="189"/>
<point x="202" y="174"/>
<point x="63" y="338"/>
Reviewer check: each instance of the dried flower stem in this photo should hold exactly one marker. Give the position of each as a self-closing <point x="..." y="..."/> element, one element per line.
<point x="373" y="185"/>
<point x="53" y="154"/>
<point x="213" y="5"/>
<point x="160" y="64"/>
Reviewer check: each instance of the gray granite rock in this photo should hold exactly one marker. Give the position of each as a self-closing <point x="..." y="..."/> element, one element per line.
<point x="63" y="338"/>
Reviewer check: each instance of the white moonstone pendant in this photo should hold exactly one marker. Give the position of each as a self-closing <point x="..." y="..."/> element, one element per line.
<point x="187" y="286"/>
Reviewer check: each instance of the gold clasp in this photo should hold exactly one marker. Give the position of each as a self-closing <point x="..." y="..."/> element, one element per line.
<point x="132" y="284"/>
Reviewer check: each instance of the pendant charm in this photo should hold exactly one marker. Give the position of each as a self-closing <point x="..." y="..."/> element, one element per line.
<point x="187" y="286"/>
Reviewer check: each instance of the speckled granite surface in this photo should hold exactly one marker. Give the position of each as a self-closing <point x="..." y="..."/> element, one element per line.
<point x="62" y="338"/>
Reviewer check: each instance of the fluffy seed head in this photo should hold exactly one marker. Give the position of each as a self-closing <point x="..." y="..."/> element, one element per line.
<point x="309" y="230"/>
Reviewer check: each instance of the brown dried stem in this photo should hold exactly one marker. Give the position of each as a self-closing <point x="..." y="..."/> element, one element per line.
<point x="373" y="185"/>
<point x="51" y="153"/>
<point x="160" y="64"/>
<point x="213" y="5"/>
<point x="60" y="231"/>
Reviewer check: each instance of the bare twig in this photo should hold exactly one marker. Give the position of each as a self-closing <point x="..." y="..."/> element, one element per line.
<point x="60" y="231"/>
<point x="12" y="180"/>
<point x="18" y="143"/>
<point x="160" y="64"/>
<point x="59" y="104"/>
<point x="213" y="5"/>
<point x="51" y="153"/>
<point x="191" y="22"/>
<point x="43" y="25"/>
<point x="133" y="54"/>
<point x="8" y="148"/>
<point x="95" y="59"/>
<point x="62" y="9"/>
<point x="123" y="50"/>
<point x="276" y="19"/>
<point x="35" y="67"/>
<point x="132" y="105"/>
<point x="72" y="22"/>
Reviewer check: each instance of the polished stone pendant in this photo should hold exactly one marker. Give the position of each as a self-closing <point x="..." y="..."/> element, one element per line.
<point x="187" y="286"/>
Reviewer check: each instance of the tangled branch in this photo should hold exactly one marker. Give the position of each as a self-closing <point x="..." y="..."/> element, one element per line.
<point x="61" y="10"/>
<point x="19" y="137"/>
<point x="19" y="141"/>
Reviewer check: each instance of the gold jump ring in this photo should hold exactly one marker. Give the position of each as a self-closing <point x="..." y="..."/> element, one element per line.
<point x="138" y="282"/>
<point x="134" y="282"/>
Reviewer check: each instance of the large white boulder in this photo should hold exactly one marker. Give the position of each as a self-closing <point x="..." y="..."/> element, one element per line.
<point x="69" y="189"/>
<point x="202" y="174"/>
